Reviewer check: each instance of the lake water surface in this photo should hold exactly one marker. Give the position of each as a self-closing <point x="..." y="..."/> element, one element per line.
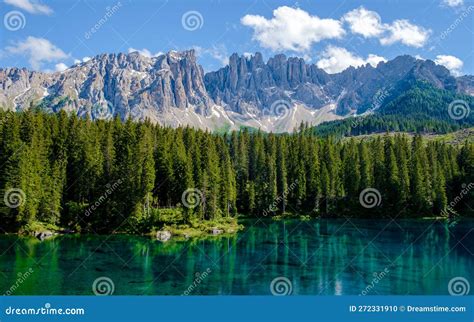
<point x="327" y="257"/>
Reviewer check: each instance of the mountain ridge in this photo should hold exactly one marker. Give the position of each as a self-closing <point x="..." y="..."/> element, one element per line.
<point x="173" y="89"/>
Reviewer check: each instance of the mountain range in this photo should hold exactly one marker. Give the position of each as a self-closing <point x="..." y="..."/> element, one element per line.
<point x="173" y="89"/>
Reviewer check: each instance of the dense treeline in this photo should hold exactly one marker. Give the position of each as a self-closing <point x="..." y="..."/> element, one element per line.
<point x="413" y="107"/>
<point x="108" y="175"/>
<point x="370" y="124"/>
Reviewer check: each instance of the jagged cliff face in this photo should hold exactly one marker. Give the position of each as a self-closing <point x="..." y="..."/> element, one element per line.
<point x="128" y="85"/>
<point x="172" y="89"/>
<point x="248" y="83"/>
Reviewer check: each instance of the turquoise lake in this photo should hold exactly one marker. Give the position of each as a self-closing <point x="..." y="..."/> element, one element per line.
<point x="326" y="257"/>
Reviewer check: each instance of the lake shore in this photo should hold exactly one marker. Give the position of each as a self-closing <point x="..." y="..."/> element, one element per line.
<point x="170" y="230"/>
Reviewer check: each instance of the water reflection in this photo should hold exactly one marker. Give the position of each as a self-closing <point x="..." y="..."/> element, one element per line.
<point x="319" y="257"/>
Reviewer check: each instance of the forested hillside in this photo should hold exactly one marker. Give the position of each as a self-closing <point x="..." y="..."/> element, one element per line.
<point x="412" y="107"/>
<point x="108" y="175"/>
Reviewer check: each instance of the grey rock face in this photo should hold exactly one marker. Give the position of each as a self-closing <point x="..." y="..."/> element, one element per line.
<point x="172" y="89"/>
<point x="163" y="235"/>
<point x="129" y="85"/>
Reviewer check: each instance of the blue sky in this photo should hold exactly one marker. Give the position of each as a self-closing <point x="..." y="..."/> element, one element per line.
<point x="52" y="35"/>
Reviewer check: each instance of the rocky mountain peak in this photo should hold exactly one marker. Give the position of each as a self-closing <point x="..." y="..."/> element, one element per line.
<point x="173" y="89"/>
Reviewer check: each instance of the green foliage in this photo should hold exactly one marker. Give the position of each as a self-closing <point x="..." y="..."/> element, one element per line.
<point x="114" y="176"/>
<point x="415" y="108"/>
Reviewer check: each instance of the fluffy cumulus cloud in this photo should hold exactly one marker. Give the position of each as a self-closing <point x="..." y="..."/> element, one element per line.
<point x="374" y="60"/>
<point x="364" y="22"/>
<point x="38" y="51"/>
<point x="292" y="29"/>
<point x="452" y="63"/>
<point x="60" y="67"/>
<point x="336" y="59"/>
<point x="407" y="33"/>
<point x="31" y="6"/>
<point x="144" y="52"/>
<point x="369" y="24"/>
<point x="453" y="3"/>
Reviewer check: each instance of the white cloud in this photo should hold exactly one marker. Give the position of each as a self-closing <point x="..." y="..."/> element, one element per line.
<point x="144" y="52"/>
<point x="336" y="59"/>
<point x="453" y="3"/>
<point x="407" y="33"/>
<point x="374" y="60"/>
<point x="292" y="29"/>
<point x="369" y="24"/>
<point x="60" y="67"/>
<point x="218" y="52"/>
<point x="452" y="63"/>
<point x="84" y="60"/>
<point x="31" y="6"/>
<point x="364" y="22"/>
<point x="38" y="51"/>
